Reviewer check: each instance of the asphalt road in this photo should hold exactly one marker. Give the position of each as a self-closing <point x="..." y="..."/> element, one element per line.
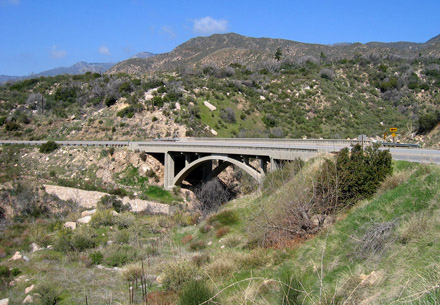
<point x="407" y="154"/>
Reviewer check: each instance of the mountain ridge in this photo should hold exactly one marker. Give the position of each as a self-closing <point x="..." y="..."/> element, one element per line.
<point x="251" y="51"/>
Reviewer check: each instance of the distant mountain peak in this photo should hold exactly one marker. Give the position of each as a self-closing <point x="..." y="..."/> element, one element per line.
<point x="143" y="55"/>
<point x="434" y="39"/>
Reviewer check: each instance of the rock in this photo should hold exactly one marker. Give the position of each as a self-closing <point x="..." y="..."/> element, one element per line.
<point x="143" y="169"/>
<point x="214" y="132"/>
<point x="159" y="279"/>
<point x="262" y="98"/>
<point x="4" y="301"/>
<point x="222" y="247"/>
<point x="50" y="246"/>
<point x="177" y="106"/>
<point x="210" y="243"/>
<point x="12" y="283"/>
<point x="88" y="213"/>
<point x="100" y="267"/>
<point x="191" y="104"/>
<point x="114" y="213"/>
<point x="110" y="242"/>
<point x="85" y="219"/>
<point x="70" y="225"/>
<point x="34" y="247"/>
<point x="21" y="278"/>
<point x="72" y="117"/>
<point x="26" y="259"/>
<point x="29" y="289"/>
<point x="16" y="256"/>
<point x="28" y="299"/>
<point x="210" y="106"/>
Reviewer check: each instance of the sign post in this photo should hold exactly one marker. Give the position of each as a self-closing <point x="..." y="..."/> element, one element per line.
<point x="393" y="130"/>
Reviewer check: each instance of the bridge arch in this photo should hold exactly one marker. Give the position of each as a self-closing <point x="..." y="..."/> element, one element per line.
<point x="178" y="179"/>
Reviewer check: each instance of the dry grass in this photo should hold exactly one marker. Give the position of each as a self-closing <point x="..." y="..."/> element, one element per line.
<point x="393" y="181"/>
<point x="221" y="267"/>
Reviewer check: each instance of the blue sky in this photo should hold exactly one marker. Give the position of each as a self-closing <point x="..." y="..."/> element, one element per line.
<point x="37" y="35"/>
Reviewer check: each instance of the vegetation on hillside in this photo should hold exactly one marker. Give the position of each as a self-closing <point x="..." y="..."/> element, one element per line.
<point x="350" y="257"/>
<point x="314" y="98"/>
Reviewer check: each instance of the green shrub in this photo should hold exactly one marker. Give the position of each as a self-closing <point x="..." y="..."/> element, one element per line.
<point x="110" y="101"/>
<point x="15" y="271"/>
<point x="4" y="272"/>
<point x="102" y="218"/>
<point x="96" y="257"/>
<point x="82" y="239"/>
<point x="428" y="121"/>
<point x="195" y="293"/>
<point x="354" y="176"/>
<point x="48" y="147"/>
<point x="12" y="126"/>
<point x="112" y="202"/>
<point x="119" y="255"/>
<point x="227" y="217"/>
<point x="48" y="294"/>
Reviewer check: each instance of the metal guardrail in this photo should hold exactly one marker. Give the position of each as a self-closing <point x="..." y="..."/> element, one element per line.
<point x="70" y="143"/>
<point x="271" y="140"/>
<point x="409" y="145"/>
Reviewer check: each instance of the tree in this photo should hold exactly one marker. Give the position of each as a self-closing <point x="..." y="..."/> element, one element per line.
<point x="278" y="54"/>
<point x="211" y="195"/>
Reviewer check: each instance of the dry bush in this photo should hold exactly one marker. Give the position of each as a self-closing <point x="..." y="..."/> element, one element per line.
<point x="201" y="259"/>
<point x="222" y="267"/>
<point x="375" y="239"/>
<point x="162" y="298"/>
<point x="415" y="228"/>
<point x="205" y="229"/>
<point x="394" y="181"/>
<point x="177" y="274"/>
<point x="186" y="239"/>
<point x="132" y="272"/>
<point x="232" y="241"/>
<point x="197" y="245"/>
<point x="254" y="259"/>
<point x="222" y="232"/>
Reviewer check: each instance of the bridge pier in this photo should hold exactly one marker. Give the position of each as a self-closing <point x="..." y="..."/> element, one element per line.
<point x="168" y="171"/>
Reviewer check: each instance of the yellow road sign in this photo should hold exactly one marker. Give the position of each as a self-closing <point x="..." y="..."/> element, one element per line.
<point x="393" y="129"/>
<point x="393" y="134"/>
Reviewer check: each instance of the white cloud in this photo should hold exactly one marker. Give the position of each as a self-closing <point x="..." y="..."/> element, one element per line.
<point x="208" y="25"/>
<point x="169" y="31"/>
<point x="55" y="53"/>
<point x="104" y="50"/>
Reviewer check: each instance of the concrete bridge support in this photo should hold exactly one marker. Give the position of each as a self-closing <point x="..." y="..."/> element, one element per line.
<point x="180" y="167"/>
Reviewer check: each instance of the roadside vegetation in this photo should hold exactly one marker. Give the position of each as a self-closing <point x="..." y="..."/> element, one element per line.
<point x="342" y="229"/>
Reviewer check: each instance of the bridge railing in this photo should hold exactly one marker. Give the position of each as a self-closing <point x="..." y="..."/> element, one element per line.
<point x="70" y="143"/>
<point x="277" y="140"/>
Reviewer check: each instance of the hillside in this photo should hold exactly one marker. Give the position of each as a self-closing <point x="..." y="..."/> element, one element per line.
<point x="226" y="49"/>
<point x="367" y="253"/>
<point x="314" y="98"/>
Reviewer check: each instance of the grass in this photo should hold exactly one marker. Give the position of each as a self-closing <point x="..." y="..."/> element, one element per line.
<point x="405" y="268"/>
